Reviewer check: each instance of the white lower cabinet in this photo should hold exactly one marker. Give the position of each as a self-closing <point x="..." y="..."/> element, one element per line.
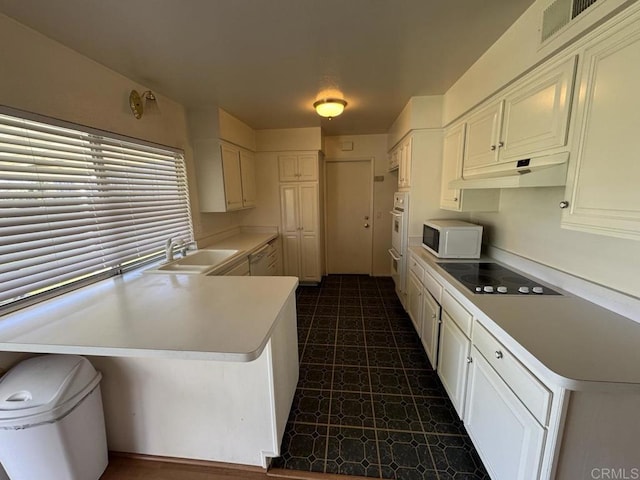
<point x="602" y="194"/>
<point x="508" y="438"/>
<point x="414" y="303"/>
<point x="452" y="363"/>
<point x="429" y="333"/>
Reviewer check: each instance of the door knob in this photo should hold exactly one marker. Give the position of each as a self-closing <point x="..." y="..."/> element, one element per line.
<point x="366" y="225"/>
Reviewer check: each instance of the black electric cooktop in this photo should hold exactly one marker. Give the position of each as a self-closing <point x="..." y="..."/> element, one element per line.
<point x="485" y="278"/>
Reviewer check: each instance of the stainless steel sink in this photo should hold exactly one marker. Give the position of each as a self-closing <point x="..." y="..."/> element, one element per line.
<point x="199" y="262"/>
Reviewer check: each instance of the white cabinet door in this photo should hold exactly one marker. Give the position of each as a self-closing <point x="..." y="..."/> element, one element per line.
<point x="307" y="168"/>
<point x="289" y="208"/>
<point x="430" y="326"/>
<point x="452" y="156"/>
<point x="232" y="177"/>
<point x="404" y="167"/>
<point x="309" y="258"/>
<point x="603" y="191"/>
<point x="536" y="113"/>
<point x="452" y="362"/>
<point x="291" y="248"/>
<point x="414" y="300"/>
<point x="507" y="437"/>
<point x="288" y="168"/>
<point x="298" y="168"/>
<point x="482" y="137"/>
<point x="248" y="177"/>
<point x="299" y="211"/>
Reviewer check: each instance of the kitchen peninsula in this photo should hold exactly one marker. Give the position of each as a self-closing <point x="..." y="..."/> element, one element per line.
<point x="194" y="366"/>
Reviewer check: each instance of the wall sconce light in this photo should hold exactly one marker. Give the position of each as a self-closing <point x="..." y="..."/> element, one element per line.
<point x="329" y="107"/>
<point x="136" y="102"/>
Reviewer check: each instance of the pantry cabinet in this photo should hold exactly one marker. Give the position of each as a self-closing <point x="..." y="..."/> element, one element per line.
<point x="531" y="119"/>
<point x="602" y="194"/>
<point x="455" y="199"/>
<point x="299" y="209"/>
<point x="226" y="176"/>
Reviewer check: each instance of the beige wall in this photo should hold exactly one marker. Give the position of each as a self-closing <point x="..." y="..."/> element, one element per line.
<point x="528" y="223"/>
<point x="44" y="77"/>
<point x="375" y="147"/>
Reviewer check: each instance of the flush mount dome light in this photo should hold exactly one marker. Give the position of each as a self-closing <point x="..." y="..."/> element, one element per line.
<point x="329" y="107"/>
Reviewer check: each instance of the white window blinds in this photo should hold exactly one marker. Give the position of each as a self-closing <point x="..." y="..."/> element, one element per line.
<point x="79" y="204"/>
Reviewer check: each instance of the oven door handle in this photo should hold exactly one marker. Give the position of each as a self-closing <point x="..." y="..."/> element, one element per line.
<point x="393" y="255"/>
<point x="396" y="214"/>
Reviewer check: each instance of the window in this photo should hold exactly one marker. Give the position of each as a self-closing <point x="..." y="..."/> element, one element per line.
<point x="79" y="205"/>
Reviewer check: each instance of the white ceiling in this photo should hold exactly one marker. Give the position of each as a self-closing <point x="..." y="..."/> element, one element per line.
<point x="265" y="61"/>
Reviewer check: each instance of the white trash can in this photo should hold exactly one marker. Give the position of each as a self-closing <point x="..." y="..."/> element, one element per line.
<point x="51" y="420"/>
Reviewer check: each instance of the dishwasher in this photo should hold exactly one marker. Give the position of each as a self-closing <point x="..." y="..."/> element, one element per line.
<point x="259" y="262"/>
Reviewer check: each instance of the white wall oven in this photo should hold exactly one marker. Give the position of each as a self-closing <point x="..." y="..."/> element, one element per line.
<point x="399" y="234"/>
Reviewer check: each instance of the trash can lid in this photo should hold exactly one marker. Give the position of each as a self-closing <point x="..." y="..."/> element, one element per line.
<point x="44" y="383"/>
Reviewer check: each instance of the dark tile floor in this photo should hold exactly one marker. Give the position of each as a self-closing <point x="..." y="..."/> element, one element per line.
<point x="368" y="401"/>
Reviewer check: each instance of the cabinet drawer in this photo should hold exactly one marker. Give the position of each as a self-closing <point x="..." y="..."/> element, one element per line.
<point x="531" y="392"/>
<point x="416" y="268"/>
<point x="435" y="289"/>
<point x="458" y="313"/>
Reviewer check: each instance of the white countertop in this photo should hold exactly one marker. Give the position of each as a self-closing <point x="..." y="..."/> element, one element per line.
<point x="577" y="342"/>
<point x="141" y="315"/>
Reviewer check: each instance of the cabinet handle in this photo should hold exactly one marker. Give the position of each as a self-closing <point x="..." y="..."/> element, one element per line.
<point x="564" y="204"/>
<point x="498" y="354"/>
<point x="500" y="144"/>
<point x="469" y="360"/>
<point x="433" y="316"/>
<point x="455" y="199"/>
<point x="493" y="147"/>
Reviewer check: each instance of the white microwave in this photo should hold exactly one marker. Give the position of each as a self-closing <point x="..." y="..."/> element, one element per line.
<point x="452" y="238"/>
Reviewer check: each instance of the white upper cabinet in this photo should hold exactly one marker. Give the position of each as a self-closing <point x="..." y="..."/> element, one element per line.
<point x="226" y="176"/>
<point x="298" y="168"/>
<point x="248" y="177"/>
<point x="536" y="113"/>
<point x="453" y="198"/>
<point x="603" y="193"/>
<point x="400" y="159"/>
<point x="531" y="119"/>
<point x="482" y="132"/>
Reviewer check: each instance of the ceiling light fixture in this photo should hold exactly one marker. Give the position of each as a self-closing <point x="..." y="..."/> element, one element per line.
<point x="329" y="107"/>
<point x="136" y="102"/>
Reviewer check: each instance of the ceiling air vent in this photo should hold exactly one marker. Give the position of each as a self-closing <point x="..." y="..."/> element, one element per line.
<point x="559" y="13"/>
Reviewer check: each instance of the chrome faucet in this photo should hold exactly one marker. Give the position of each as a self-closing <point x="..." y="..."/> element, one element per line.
<point x="168" y="249"/>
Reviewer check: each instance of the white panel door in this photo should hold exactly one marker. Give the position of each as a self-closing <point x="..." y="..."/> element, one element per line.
<point x="232" y="177"/>
<point x="604" y="178"/>
<point x="349" y="240"/>
<point x="452" y="363"/>
<point x="482" y="137"/>
<point x="248" y="174"/>
<point x="536" y="114"/>
<point x="430" y="327"/>
<point x="507" y="437"/>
